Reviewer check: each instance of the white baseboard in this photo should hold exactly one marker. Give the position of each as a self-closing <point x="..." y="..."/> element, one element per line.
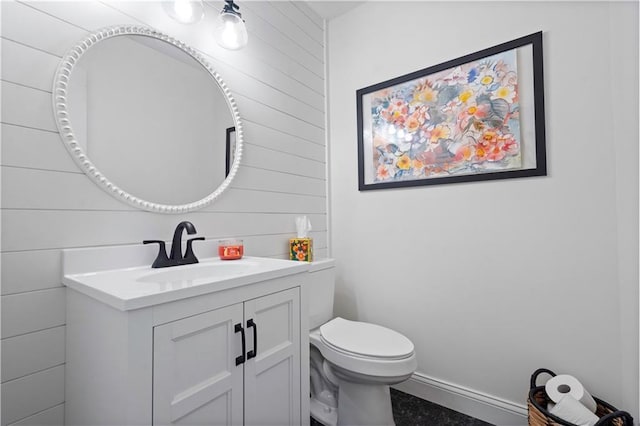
<point x="471" y="402"/>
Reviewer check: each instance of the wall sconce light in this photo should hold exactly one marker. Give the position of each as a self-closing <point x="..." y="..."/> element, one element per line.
<point x="184" y="11"/>
<point x="230" y="31"/>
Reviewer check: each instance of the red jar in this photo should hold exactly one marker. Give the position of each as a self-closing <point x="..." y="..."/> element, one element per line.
<point x="230" y="249"/>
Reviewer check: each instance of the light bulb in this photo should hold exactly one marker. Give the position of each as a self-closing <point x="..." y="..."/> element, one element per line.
<point x="185" y="11"/>
<point x="230" y="31"/>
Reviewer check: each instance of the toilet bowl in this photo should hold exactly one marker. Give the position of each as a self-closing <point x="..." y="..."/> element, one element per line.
<point x="361" y="361"/>
<point x="352" y="363"/>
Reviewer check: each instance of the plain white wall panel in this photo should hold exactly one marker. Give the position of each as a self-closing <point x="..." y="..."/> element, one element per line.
<point x="35" y="149"/>
<point x="282" y="71"/>
<point x="39" y="189"/>
<point x="525" y="270"/>
<point x="276" y="69"/>
<point x="273" y="138"/>
<point x="320" y="253"/>
<point x="277" y="19"/>
<point x="22" y="355"/>
<point x="262" y="27"/>
<point x="281" y="98"/>
<point x="265" y="158"/>
<point x="30" y="270"/>
<point x="33" y="393"/>
<point x="253" y="178"/>
<point x="274" y="60"/>
<point x="27" y="66"/>
<point x="86" y="14"/>
<point x="314" y="29"/>
<point x="312" y="15"/>
<point x="32" y="311"/>
<point x="264" y="114"/>
<point x="49" y="204"/>
<point x="28" y="107"/>
<point x="250" y="200"/>
<point x="279" y="65"/>
<point x="24" y="24"/>
<point x="50" y="417"/>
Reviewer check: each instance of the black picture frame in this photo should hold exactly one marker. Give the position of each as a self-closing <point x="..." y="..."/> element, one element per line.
<point x="528" y="55"/>
<point x="230" y="149"/>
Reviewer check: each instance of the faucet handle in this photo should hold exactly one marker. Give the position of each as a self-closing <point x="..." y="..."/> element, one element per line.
<point x="161" y="260"/>
<point x="189" y="256"/>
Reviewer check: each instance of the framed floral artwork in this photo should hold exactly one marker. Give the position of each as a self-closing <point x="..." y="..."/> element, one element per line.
<point x="477" y="117"/>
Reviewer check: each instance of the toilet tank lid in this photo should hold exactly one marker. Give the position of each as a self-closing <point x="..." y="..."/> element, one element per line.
<point x="366" y="339"/>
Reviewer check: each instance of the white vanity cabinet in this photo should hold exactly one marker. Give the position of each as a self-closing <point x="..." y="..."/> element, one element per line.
<point x="201" y="375"/>
<point x="175" y="356"/>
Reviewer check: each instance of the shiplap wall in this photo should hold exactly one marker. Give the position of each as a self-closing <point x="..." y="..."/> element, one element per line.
<point x="48" y="204"/>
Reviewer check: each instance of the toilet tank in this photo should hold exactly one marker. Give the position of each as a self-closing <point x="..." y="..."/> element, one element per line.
<point x="320" y="288"/>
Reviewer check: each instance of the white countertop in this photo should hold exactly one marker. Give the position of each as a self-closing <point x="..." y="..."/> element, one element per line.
<point x="142" y="286"/>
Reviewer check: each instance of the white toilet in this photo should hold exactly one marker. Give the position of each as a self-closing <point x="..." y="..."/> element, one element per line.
<point x="352" y="363"/>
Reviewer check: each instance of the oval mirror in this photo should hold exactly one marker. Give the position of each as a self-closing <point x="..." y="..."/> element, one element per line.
<point x="148" y="119"/>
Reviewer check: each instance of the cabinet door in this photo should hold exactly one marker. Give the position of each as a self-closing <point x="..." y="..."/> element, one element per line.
<point x="272" y="377"/>
<point x="195" y="377"/>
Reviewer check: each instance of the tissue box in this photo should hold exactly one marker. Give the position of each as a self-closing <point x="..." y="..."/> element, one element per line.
<point x="301" y="249"/>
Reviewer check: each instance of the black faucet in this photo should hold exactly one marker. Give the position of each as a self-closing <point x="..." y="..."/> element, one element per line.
<point x="176" y="258"/>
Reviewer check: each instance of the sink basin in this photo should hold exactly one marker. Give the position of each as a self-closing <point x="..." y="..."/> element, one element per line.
<point x="128" y="287"/>
<point x="198" y="271"/>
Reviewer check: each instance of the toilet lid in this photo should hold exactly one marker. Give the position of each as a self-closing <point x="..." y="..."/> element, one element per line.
<point x="366" y="339"/>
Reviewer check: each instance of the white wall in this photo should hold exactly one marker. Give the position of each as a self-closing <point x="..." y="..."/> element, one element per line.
<point x="48" y="204"/>
<point x="492" y="280"/>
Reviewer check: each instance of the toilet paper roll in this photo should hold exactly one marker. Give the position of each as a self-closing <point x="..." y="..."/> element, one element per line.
<point x="565" y="384"/>
<point x="572" y="411"/>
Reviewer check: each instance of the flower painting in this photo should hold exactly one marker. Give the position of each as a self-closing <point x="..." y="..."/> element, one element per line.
<point x="462" y="120"/>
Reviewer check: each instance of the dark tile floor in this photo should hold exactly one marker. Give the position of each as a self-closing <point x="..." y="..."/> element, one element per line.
<point x="409" y="410"/>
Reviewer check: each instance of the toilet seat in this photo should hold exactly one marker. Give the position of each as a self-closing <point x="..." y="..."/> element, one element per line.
<point x="365" y="340"/>
<point x="357" y="347"/>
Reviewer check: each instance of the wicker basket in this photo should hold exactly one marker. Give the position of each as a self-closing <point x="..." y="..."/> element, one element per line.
<point x="539" y="416"/>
